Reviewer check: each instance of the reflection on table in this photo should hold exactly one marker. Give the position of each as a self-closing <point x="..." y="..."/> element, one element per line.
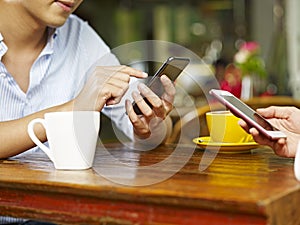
<point x="256" y="187"/>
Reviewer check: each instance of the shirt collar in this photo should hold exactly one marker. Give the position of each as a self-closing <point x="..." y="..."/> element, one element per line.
<point x="3" y="47"/>
<point x="52" y="34"/>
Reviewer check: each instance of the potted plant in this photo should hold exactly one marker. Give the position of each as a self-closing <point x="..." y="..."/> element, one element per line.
<point x="251" y="64"/>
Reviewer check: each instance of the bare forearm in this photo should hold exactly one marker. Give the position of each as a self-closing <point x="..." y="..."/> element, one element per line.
<point x="14" y="138"/>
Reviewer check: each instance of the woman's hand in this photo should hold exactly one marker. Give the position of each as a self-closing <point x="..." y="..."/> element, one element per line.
<point x="285" y="119"/>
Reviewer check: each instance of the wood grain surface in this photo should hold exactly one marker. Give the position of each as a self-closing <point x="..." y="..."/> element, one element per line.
<point x="256" y="187"/>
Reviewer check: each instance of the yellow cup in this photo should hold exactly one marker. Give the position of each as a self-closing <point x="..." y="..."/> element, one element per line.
<point x="223" y="127"/>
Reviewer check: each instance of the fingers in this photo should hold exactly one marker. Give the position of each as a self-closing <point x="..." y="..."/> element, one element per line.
<point x="116" y="94"/>
<point x="244" y="125"/>
<point x="157" y="107"/>
<point x="133" y="72"/>
<point x="279" y="146"/>
<point x="141" y="128"/>
<point x="106" y="85"/>
<point x="153" y="107"/>
<point x="117" y="81"/>
<point x="257" y="137"/>
<point x="169" y="87"/>
<point x="126" y="70"/>
<point x="275" y="112"/>
<point x="146" y="109"/>
<point x="282" y="147"/>
<point x="260" y="139"/>
<point x="120" y="72"/>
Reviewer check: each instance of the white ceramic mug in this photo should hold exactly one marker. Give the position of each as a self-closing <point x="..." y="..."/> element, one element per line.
<point x="72" y="138"/>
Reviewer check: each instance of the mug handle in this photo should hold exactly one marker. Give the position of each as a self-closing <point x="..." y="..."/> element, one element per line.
<point x="30" y="130"/>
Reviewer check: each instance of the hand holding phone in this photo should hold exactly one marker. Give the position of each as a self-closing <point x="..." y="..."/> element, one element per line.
<point x="250" y="116"/>
<point x="172" y="68"/>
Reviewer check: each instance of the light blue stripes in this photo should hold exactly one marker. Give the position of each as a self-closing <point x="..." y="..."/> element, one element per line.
<point x="58" y="73"/>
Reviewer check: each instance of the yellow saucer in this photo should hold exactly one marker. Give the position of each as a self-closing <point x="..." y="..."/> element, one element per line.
<point x="206" y="143"/>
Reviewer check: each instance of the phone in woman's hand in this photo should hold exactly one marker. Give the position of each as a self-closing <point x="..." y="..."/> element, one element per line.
<point x="250" y="116"/>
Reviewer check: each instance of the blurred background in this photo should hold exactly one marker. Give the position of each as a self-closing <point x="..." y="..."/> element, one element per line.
<point x="212" y="29"/>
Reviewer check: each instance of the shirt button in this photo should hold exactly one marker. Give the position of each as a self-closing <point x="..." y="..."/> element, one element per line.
<point x="2" y="75"/>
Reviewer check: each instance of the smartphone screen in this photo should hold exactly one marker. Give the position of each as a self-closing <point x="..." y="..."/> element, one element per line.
<point x="172" y="68"/>
<point x="250" y="116"/>
<point x="249" y="112"/>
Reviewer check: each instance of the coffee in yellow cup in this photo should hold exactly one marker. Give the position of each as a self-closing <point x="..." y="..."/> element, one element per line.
<point x="223" y="127"/>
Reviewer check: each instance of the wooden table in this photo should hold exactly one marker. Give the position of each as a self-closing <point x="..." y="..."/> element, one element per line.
<point x="249" y="188"/>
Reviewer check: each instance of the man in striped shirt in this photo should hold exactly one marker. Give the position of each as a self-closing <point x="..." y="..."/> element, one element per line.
<point x="51" y="60"/>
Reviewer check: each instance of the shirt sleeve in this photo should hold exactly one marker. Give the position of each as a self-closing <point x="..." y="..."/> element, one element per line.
<point x="102" y="56"/>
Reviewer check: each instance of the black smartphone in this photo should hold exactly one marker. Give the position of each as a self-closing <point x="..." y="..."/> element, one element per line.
<point x="245" y="112"/>
<point x="172" y="68"/>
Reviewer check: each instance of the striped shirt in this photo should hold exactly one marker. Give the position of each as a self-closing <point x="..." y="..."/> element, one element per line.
<point x="59" y="73"/>
<point x="57" y="76"/>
